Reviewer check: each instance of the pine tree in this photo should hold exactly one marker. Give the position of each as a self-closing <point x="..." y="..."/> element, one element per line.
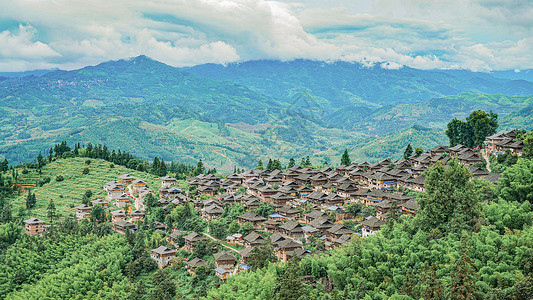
<point x="165" y="288"/>
<point x="269" y="165"/>
<point x="51" y="211"/>
<point x="394" y="214"/>
<point x="289" y="286"/>
<point x="408" y="152"/>
<point x="291" y="164"/>
<point x="259" y="165"/>
<point x="162" y="169"/>
<point x="30" y="200"/>
<point x="155" y="166"/>
<point x="40" y="160"/>
<point x="463" y="275"/>
<point x="308" y="162"/>
<point x="345" y="159"/>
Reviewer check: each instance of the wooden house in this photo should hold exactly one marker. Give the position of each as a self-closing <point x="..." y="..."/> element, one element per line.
<point x="121" y="226"/>
<point x="34" y="226"/>
<point x="225" y="259"/>
<point x="195" y="263"/>
<point x="222" y="273"/>
<point x="168" y="181"/>
<point x="83" y="211"/>
<point x="253" y="239"/>
<point x="213" y="212"/>
<point x="122" y="201"/>
<point x="285" y="247"/>
<point x="322" y="224"/>
<point x="118" y="215"/>
<point x="292" y="228"/>
<point x="409" y="208"/>
<point x="315" y="214"/>
<point x="101" y="202"/>
<point x="371" y="225"/>
<point x="137" y="215"/>
<point x="281" y="199"/>
<point x="163" y="255"/>
<point x="191" y="240"/>
<point x="252" y="218"/>
<point x="126" y="179"/>
<point x="174" y="236"/>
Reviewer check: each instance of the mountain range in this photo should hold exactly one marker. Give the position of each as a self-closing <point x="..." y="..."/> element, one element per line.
<point x="232" y="115"/>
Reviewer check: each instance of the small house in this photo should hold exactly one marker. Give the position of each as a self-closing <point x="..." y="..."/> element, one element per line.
<point x="163" y="255"/>
<point x="83" y="211"/>
<point x="34" y="226"/>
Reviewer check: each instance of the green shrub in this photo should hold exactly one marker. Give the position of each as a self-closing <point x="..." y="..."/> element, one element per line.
<point x="85" y="171"/>
<point x="59" y="178"/>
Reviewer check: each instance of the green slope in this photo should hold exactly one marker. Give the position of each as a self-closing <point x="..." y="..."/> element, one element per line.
<point x="68" y="193"/>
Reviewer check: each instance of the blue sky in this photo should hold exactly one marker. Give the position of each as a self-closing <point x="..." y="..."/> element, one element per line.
<point x="479" y="35"/>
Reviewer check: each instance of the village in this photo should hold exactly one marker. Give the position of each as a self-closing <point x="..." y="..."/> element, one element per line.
<point x="309" y="203"/>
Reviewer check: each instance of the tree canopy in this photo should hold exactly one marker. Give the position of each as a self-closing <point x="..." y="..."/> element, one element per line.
<point x="474" y="130"/>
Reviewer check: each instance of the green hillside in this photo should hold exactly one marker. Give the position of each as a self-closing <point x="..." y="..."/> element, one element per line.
<point x="68" y="193"/>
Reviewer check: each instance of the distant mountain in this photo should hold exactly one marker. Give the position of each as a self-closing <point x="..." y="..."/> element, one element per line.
<point x="341" y="84"/>
<point x="139" y="80"/>
<point x="435" y="113"/>
<point x="25" y="73"/>
<point x="280" y="110"/>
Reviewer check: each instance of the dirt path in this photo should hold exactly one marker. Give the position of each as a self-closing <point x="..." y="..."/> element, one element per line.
<point x="486" y="158"/>
<point x="217" y="240"/>
<point x="138" y="203"/>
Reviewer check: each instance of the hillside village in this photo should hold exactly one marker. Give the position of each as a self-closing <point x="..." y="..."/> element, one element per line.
<point x="310" y="206"/>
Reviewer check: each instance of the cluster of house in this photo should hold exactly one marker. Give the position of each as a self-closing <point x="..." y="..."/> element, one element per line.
<point x="503" y="142"/>
<point x="324" y="191"/>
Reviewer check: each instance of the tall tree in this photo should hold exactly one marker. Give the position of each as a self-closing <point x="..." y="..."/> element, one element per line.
<point x="165" y="288"/>
<point x="463" y="275"/>
<point x="260" y="256"/>
<point x="98" y="214"/>
<point x="394" y="214"/>
<point x="454" y="131"/>
<point x="30" y="200"/>
<point x="449" y="199"/>
<point x="51" y="211"/>
<point x="345" y="159"/>
<point x="289" y="286"/>
<point x="155" y="166"/>
<point x="482" y="125"/>
<point x="292" y="163"/>
<point x="259" y="165"/>
<point x="418" y="152"/>
<point x="162" y="169"/>
<point x="408" y="152"/>
<point x="516" y="183"/>
<point x="474" y="130"/>
<point x="528" y="145"/>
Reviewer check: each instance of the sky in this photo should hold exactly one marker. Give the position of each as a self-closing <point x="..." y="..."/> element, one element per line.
<point x="477" y="35"/>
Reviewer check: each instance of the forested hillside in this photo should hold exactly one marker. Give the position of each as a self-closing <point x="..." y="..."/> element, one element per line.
<point x="339" y="84"/>
<point x="151" y="109"/>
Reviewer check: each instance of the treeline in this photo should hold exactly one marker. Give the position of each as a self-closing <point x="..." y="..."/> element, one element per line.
<point x="157" y="167"/>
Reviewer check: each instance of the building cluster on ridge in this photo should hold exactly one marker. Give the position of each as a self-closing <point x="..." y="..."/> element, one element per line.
<point x="290" y="192"/>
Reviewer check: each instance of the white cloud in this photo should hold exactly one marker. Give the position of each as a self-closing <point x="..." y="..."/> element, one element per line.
<point x="20" y="44"/>
<point x="417" y="33"/>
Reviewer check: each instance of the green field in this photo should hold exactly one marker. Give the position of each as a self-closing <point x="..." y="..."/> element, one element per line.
<point x="68" y="193"/>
